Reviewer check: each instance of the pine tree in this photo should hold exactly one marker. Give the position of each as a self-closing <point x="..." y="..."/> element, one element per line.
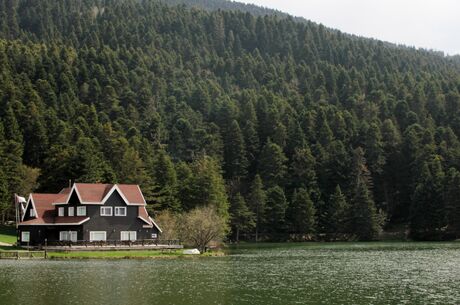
<point x="338" y="213"/>
<point x="452" y="201"/>
<point x="257" y="203"/>
<point x="272" y="165"/>
<point x="234" y="153"/>
<point x="365" y="221"/>
<point x="427" y="210"/>
<point x="165" y="183"/>
<point x="301" y="213"/>
<point x="242" y="219"/>
<point x="276" y="210"/>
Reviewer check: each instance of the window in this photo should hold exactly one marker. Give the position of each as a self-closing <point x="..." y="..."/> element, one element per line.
<point x="154" y="235"/>
<point x="68" y="235"/>
<point x="106" y="211"/>
<point x="120" y="211"/>
<point x="32" y="212"/>
<point x="128" y="235"/>
<point x="97" y="235"/>
<point x="71" y="211"/>
<point x="81" y="211"/>
<point x="25" y="236"/>
<point x="60" y="211"/>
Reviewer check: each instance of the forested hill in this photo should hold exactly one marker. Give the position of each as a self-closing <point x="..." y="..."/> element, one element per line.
<point x="214" y="5"/>
<point x="286" y="124"/>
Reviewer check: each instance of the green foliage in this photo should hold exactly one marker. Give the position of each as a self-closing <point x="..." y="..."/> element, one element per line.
<point x="143" y="91"/>
<point x="301" y="213"/>
<point x="338" y="213"/>
<point x="276" y="210"/>
<point x="242" y="218"/>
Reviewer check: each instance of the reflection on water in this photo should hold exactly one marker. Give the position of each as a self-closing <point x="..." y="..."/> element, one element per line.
<point x="277" y="274"/>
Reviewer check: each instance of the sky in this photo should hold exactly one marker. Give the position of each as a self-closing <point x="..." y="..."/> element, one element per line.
<point x="429" y="24"/>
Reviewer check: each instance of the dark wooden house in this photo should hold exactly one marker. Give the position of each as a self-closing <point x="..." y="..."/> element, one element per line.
<point x="90" y="212"/>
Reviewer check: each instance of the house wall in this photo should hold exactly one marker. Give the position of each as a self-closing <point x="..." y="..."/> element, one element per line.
<point x="38" y="234"/>
<point x="27" y="212"/>
<point x="113" y="225"/>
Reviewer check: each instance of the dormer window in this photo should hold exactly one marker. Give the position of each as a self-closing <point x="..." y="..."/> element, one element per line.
<point x="120" y="211"/>
<point x="71" y="211"/>
<point x="60" y="211"/>
<point x="106" y="211"/>
<point x="32" y="213"/>
<point x="81" y="211"/>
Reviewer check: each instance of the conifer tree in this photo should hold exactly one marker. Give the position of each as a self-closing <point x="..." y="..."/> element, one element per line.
<point x="165" y="183"/>
<point x="234" y="153"/>
<point x="242" y="218"/>
<point x="272" y="165"/>
<point x="301" y="213"/>
<point x="452" y="201"/>
<point x="365" y="221"/>
<point x="338" y="212"/>
<point x="276" y="210"/>
<point x="257" y="203"/>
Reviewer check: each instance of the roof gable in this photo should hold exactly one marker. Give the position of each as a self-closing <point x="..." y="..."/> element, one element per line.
<point x="97" y="193"/>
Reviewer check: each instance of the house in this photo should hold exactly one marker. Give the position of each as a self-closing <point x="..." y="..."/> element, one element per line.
<point x="91" y="212"/>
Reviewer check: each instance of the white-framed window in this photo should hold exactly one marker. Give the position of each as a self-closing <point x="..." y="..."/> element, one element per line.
<point x="32" y="212"/>
<point x="60" y="211"/>
<point x="81" y="211"/>
<point x="68" y="235"/>
<point x="106" y="211"/>
<point x="154" y="235"/>
<point x="120" y="211"/>
<point x="128" y="235"/>
<point x="71" y="211"/>
<point x="25" y="236"/>
<point x="97" y="235"/>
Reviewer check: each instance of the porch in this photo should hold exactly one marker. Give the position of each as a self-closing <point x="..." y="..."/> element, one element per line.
<point x="109" y="245"/>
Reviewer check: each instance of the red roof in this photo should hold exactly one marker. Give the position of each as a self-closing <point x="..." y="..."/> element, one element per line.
<point x="88" y="193"/>
<point x="92" y="192"/>
<point x="132" y="193"/>
<point x="44" y="206"/>
<point x="96" y="192"/>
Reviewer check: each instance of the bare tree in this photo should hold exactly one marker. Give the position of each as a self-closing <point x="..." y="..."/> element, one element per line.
<point x="168" y="222"/>
<point x="201" y="226"/>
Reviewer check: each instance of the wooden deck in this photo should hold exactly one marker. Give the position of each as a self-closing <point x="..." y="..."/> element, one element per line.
<point x="111" y="245"/>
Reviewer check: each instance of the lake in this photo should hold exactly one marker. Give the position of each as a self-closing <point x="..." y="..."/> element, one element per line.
<point x="309" y="273"/>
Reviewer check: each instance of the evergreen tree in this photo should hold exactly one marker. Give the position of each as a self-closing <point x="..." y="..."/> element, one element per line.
<point x="276" y="207"/>
<point x="165" y="183"/>
<point x="272" y="165"/>
<point x="452" y="201"/>
<point x="301" y="213"/>
<point x="365" y="221"/>
<point x="338" y="213"/>
<point x="234" y="153"/>
<point x="242" y="219"/>
<point x="427" y="210"/>
<point x="257" y="203"/>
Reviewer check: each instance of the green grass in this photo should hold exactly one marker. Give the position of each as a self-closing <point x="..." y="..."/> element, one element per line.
<point x="126" y="254"/>
<point x="7" y="234"/>
<point x="116" y="254"/>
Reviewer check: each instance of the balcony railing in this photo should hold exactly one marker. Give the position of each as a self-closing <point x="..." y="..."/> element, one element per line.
<point x="113" y="243"/>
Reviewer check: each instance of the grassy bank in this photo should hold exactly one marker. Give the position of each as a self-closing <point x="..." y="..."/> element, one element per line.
<point x="138" y="254"/>
<point x="7" y="234"/>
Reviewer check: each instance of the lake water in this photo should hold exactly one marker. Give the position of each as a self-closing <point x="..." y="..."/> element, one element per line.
<point x="352" y="273"/>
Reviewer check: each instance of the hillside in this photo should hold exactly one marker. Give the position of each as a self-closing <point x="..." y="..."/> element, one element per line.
<point x="312" y="129"/>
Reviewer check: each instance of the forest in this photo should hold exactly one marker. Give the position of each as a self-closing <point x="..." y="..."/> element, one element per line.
<point x="289" y="128"/>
